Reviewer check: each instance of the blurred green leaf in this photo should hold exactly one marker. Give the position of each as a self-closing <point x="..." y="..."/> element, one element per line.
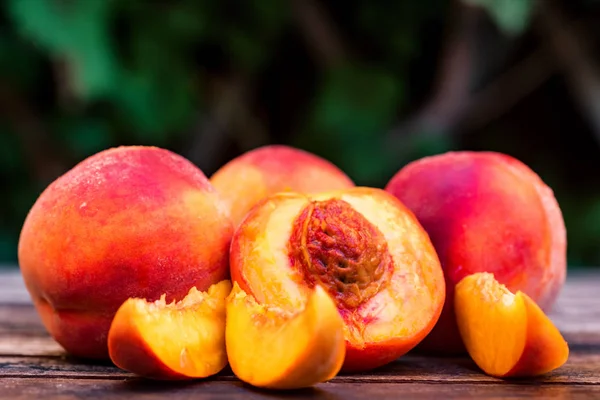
<point x="8" y="245"/>
<point x="11" y="156"/>
<point x="19" y="61"/>
<point x="353" y="108"/>
<point x="75" y="32"/>
<point x="155" y="104"/>
<point x="84" y="136"/>
<point x="512" y="16"/>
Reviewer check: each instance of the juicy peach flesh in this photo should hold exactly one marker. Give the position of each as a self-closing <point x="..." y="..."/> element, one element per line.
<point x="264" y="171"/>
<point x="126" y="222"/>
<point x="364" y="247"/>
<point x="180" y="340"/>
<point x="485" y="212"/>
<point x="273" y="348"/>
<point x="506" y="334"/>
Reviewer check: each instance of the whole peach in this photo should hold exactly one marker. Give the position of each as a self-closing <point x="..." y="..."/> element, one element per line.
<point x="126" y="222"/>
<point x="252" y="176"/>
<point x="485" y="212"/>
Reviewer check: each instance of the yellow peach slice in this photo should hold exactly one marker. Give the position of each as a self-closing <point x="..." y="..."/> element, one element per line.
<point x="272" y="348"/>
<point x="506" y="334"/>
<point x="182" y="340"/>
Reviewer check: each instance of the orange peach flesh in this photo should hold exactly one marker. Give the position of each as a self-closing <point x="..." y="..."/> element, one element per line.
<point x="391" y="320"/>
<point x="271" y="348"/>
<point x="506" y="334"/>
<point x="258" y="173"/>
<point x="180" y="340"/>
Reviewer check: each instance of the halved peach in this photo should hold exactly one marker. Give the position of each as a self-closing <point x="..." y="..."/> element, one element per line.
<point x="364" y="247"/>
<point x="506" y="334"/>
<point x="180" y="340"/>
<point x="273" y="348"/>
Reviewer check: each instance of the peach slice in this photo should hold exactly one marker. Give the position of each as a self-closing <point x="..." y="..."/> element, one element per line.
<point x="364" y="247"/>
<point x="272" y="348"/>
<point x="180" y="340"/>
<point x="506" y="334"/>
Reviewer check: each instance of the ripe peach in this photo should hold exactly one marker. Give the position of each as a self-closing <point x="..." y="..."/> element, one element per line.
<point x="247" y="179"/>
<point x="485" y="212"/>
<point x="506" y="334"/>
<point x="182" y="340"/>
<point x="288" y="350"/>
<point x="364" y="247"/>
<point x="126" y="222"/>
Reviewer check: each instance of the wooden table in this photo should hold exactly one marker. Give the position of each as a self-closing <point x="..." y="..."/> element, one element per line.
<point x="33" y="366"/>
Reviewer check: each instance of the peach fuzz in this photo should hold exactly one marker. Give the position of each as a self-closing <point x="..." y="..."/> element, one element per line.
<point x="506" y="334"/>
<point x="485" y="212"/>
<point x="364" y="247"/>
<point x="126" y="222"/>
<point x="272" y="348"/>
<point x="258" y="173"/>
<point x="175" y="341"/>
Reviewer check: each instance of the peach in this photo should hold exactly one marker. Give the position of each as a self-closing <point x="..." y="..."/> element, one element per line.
<point x="126" y="222"/>
<point x="485" y="212"/>
<point x="364" y="247"/>
<point x="182" y="340"/>
<point x="506" y="334"/>
<point x="247" y="179"/>
<point x="273" y="348"/>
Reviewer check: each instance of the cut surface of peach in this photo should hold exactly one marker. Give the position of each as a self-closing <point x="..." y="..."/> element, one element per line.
<point x="180" y="340"/>
<point x="273" y="348"/>
<point x="506" y="334"/>
<point x="364" y="248"/>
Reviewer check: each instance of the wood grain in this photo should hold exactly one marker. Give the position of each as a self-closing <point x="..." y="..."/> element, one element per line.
<point x="581" y="368"/>
<point x="576" y="314"/>
<point x="67" y="389"/>
<point x="29" y="344"/>
<point x="12" y="288"/>
<point x="33" y="365"/>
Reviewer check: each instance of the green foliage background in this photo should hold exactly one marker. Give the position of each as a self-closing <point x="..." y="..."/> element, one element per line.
<point x="100" y="73"/>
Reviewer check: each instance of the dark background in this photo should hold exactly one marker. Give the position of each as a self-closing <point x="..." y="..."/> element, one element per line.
<point x="369" y="85"/>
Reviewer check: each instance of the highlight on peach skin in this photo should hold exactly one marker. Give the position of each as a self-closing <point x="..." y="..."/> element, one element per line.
<point x="258" y="173"/>
<point x="485" y="212"/>
<point x="126" y="222"/>
<point x="178" y="340"/>
<point x="506" y="334"/>
<point x="363" y="247"/>
<point x="272" y="348"/>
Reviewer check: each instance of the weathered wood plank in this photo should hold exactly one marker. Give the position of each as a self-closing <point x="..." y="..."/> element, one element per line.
<point x="40" y="344"/>
<point x="64" y="389"/>
<point x="29" y="344"/>
<point x="20" y="318"/>
<point x="12" y="288"/>
<point x="576" y="314"/>
<point x="33" y="365"/>
<point x="582" y="368"/>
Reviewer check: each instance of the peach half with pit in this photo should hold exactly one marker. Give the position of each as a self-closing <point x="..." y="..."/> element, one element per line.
<point x="364" y="247"/>
<point x="127" y="222"/>
<point x="485" y="212"/>
<point x="258" y="173"/>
